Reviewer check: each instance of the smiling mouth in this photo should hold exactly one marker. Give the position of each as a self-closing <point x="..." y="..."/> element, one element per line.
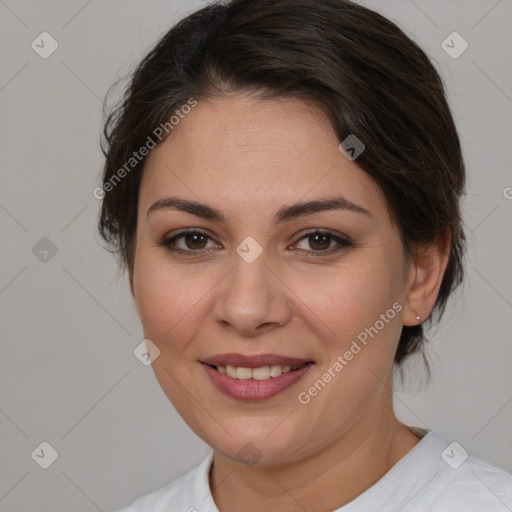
<point x="255" y="377"/>
<point x="260" y="373"/>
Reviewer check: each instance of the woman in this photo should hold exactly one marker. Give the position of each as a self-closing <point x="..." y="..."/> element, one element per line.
<point x="282" y="183"/>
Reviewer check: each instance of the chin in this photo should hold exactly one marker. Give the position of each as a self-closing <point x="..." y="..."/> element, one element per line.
<point x="260" y="444"/>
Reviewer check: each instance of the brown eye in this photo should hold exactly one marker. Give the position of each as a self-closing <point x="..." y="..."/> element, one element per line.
<point x="187" y="242"/>
<point x="319" y="241"/>
<point x="322" y="242"/>
<point x="195" y="240"/>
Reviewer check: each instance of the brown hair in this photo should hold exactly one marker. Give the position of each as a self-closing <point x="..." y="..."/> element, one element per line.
<point x="360" y="68"/>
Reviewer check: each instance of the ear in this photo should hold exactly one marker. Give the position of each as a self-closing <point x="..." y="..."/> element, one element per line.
<point x="425" y="278"/>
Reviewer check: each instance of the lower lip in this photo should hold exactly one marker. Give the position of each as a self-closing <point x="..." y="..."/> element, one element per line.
<point x="252" y="389"/>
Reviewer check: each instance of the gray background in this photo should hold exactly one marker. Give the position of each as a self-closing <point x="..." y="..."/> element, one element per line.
<point x="68" y="375"/>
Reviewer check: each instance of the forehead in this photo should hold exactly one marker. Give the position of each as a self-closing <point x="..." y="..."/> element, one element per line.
<point x="244" y="149"/>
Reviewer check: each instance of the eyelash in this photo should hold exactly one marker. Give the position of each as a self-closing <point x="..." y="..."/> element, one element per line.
<point x="341" y="241"/>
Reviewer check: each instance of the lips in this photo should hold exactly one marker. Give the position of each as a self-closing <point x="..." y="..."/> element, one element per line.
<point x="254" y="377"/>
<point x="254" y="361"/>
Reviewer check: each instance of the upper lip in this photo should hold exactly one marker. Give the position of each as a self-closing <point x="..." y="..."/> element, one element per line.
<point x="254" y="361"/>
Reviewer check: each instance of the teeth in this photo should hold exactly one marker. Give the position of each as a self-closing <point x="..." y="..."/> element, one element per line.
<point x="276" y="370"/>
<point x="262" y="373"/>
<point x="243" y="373"/>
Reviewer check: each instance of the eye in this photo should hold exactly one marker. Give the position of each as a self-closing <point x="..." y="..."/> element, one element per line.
<point x="316" y="243"/>
<point x="187" y="242"/>
<point x="322" y="242"/>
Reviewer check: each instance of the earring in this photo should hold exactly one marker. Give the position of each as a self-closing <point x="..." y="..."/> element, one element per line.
<point x="418" y="317"/>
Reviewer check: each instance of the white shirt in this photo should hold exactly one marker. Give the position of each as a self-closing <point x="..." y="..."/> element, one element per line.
<point x="432" y="477"/>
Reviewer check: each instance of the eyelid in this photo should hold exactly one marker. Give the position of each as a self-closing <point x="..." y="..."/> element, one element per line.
<point x="342" y="242"/>
<point x="333" y="234"/>
<point x="167" y="240"/>
<point x="186" y="231"/>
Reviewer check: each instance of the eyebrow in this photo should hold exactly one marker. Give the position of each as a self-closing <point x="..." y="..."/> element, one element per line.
<point x="286" y="213"/>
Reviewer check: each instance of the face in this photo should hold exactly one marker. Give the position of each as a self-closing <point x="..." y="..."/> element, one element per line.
<point x="303" y="305"/>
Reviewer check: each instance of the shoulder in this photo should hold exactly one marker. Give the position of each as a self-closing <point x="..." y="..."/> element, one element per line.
<point x="439" y="477"/>
<point x="472" y="486"/>
<point x="189" y="493"/>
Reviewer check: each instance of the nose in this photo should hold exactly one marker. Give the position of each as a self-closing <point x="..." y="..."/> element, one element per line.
<point x="252" y="299"/>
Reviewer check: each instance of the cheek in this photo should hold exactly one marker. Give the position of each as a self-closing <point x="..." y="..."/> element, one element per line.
<point x="167" y="300"/>
<point x="170" y="304"/>
<point x="353" y="298"/>
<point x="363" y="312"/>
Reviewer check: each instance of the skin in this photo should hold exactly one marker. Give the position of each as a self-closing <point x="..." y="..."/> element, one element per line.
<point x="248" y="158"/>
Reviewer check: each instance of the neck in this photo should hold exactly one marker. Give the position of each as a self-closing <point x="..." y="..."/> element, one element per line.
<point x="323" y="481"/>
